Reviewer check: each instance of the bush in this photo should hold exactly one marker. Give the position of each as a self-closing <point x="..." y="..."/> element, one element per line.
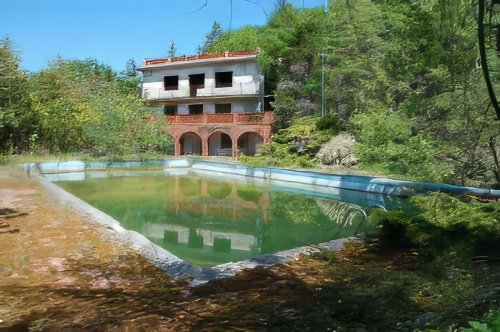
<point x="328" y="122"/>
<point x="385" y="142"/>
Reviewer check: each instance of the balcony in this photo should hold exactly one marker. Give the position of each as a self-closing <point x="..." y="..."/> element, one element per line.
<point x="265" y="118"/>
<point x="252" y="87"/>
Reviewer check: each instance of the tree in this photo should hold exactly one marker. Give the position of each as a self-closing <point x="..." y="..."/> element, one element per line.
<point x="85" y="105"/>
<point x="211" y="37"/>
<point x="131" y="68"/>
<point x="16" y="127"/>
<point x="172" y="50"/>
<point x="279" y="4"/>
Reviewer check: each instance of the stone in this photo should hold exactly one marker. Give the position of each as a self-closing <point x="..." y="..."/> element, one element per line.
<point x="5" y="271"/>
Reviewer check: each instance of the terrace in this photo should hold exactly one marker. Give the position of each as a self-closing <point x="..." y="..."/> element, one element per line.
<point x="264" y="118"/>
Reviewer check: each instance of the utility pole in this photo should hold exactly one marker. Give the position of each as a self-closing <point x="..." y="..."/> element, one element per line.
<point x="322" y="84"/>
<point x="325" y="10"/>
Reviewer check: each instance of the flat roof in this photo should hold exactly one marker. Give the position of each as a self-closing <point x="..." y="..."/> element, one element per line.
<point x="198" y="59"/>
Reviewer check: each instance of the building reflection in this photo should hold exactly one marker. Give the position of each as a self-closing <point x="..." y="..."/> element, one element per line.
<point x="222" y="219"/>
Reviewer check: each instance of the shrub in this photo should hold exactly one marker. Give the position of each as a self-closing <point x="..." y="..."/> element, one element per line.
<point x="328" y="122"/>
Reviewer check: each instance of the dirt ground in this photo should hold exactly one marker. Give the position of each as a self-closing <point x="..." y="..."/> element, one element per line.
<point x="61" y="272"/>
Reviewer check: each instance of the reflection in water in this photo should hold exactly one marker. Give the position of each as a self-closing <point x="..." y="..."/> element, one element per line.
<point x="341" y="212"/>
<point x="208" y="222"/>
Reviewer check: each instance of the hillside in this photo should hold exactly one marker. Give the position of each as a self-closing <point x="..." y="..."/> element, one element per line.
<point x="400" y="77"/>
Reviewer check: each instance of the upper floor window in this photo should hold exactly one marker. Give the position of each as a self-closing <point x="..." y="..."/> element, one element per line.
<point x="224" y="79"/>
<point x="171" y="82"/>
<point x="196" y="109"/>
<point x="196" y="81"/>
<point x="222" y="108"/>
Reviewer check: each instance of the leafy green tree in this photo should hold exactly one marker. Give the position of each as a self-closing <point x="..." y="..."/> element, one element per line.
<point x="84" y="105"/>
<point x="431" y="64"/>
<point x="16" y="125"/>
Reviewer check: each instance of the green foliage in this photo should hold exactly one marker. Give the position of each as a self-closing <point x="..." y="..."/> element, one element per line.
<point x="328" y="122"/>
<point x="16" y="123"/>
<point x="405" y="70"/>
<point x="451" y="214"/>
<point x="211" y="37"/>
<point x="385" y="139"/>
<point x="443" y="235"/>
<point x="490" y="323"/>
<point x="295" y="146"/>
<point x="84" y="105"/>
<point x="442" y="224"/>
<point x="277" y="155"/>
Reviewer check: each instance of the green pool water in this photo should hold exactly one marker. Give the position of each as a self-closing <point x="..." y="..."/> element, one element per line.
<point x="208" y="222"/>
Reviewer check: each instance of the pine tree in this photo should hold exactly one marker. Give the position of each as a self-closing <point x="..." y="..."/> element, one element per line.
<point x="211" y="37"/>
<point x="172" y="50"/>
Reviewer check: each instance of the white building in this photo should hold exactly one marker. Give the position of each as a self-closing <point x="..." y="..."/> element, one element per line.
<point x="213" y="102"/>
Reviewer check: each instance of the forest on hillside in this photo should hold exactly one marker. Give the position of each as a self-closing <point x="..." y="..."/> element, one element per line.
<point x="401" y="77"/>
<point x="403" y="91"/>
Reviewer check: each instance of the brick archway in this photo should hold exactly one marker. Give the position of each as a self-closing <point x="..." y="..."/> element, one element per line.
<point x="248" y="142"/>
<point x="234" y="125"/>
<point x="220" y="143"/>
<point x="190" y="143"/>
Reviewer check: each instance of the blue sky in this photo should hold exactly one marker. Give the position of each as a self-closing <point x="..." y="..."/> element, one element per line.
<point x="114" y="31"/>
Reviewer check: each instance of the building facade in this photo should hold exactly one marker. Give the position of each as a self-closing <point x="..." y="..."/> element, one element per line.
<point x="212" y="102"/>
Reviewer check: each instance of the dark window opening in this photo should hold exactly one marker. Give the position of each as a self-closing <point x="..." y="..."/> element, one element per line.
<point x="196" y="81"/>
<point x="170" y="110"/>
<point x="222" y="108"/>
<point x="196" y="109"/>
<point x="224" y="79"/>
<point x="171" y="82"/>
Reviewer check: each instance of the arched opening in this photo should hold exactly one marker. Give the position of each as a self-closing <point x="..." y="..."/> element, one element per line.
<point x="248" y="143"/>
<point x="220" y="144"/>
<point x="190" y="144"/>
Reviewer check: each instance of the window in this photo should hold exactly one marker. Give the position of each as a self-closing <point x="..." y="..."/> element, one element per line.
<point x="196" y="81"/>
<point x="224" y="79"/>
<point x="222" y="108"/>
<point x="171" y="82"/>
<point x="196" y="109"/>
<point x="147" y="73"/>
<point x="170" y="110"/>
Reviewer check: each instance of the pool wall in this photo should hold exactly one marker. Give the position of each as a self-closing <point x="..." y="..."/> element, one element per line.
<point x="369" y="184"/>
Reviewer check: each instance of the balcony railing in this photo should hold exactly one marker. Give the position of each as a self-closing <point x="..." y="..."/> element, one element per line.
<point x="239" y="118"/>
<point x="251" y="88"/>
